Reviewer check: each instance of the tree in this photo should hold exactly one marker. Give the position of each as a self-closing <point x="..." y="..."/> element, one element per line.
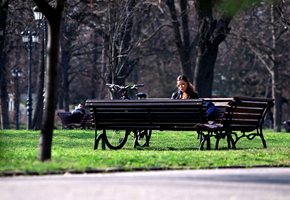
<point x="256" y="57"/>
<point x="53" y="16"/>
<point x="124" y="28"/>
<point x="70" y="43"/>
<point x="152" y="57"/>
<point x="182" y="35"/>
<point x="119" y="40"/>
<point x="212" y="32"/>
<point x="213" y="19"/>
<point x="269" y="54"/>
<point x="3" y="71"/>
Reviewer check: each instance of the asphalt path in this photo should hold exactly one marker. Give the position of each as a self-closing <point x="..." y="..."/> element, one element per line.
<point x="216" y="184"/>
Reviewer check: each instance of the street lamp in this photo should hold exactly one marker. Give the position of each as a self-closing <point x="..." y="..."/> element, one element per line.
<point x="39" y="17"/>
<point x="29" y="39"/>
<point x="37" y="14"/>
<point x="16" y="73"/>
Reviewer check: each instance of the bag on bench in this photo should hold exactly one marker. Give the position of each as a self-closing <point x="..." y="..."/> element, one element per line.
<point x="211" y="110"/>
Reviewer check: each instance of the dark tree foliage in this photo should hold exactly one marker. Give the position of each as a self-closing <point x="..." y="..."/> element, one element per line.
<point x="152" y="42"/>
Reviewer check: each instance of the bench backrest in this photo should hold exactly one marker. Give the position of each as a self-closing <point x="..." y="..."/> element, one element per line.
<point x="241" y="113"/>
<point x="159" y="114"/>
<point x="246" y="113"/>
<point x="64" y="117"/>
<point x="68" y="120"/>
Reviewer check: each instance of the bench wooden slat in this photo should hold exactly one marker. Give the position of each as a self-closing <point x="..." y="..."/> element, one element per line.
<point x="244" y="122"/>
<point x="153" y="111"/>
<point x="248" y="110"/>
<point x="261" y="99"/>
<point x="243" y="115"/>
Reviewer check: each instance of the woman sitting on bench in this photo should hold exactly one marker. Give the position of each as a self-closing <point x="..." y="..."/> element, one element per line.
<point x="185" y="89"/>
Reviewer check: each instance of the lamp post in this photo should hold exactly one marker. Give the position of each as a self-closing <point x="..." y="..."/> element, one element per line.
<point x="16" y="73"/>
<point x="41" y="23"/>
<point x="39" y="106"/>
<point x="29" y="39"/>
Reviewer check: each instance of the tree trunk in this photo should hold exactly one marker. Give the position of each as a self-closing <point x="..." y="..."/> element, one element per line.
<point x="98" y="76"/>
<point x="38" y="112"/>
<point x="211" y="33"/>
<point x="204" y="70"/>
<point x="53" y="16"/>
<point x="65" y="79"/>
<point x="277" y="95"/>
<point x="50" y="93"/>
<point x="269" y="60"/>
<point x="4" y="95"/>
<point x="3" y="71"/>
<point x="276" y="81"/>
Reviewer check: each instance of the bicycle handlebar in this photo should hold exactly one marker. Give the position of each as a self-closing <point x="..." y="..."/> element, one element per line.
<point x="127" y="87"/>
<point x="139" y="85"/>
<point x="124" y="92"/>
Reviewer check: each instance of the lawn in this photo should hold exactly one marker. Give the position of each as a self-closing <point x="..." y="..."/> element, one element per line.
<point x="72" y="151"/>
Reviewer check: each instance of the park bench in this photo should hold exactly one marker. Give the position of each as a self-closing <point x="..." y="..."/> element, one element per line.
<point x="238" y="117"/>
<point x="142" y="116"/>
<point x="69" y="122"/>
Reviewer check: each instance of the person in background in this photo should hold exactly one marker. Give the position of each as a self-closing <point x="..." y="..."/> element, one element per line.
<point x="185" y="89"/>
<point x="80" y="109"/>
<point x="78" y="113"/>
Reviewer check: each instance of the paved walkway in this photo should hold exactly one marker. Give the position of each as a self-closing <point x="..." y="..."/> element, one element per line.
<point x="219" y="184"/>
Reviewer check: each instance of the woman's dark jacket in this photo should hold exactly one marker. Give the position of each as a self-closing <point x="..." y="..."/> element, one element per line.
<point x="178" y="95"/>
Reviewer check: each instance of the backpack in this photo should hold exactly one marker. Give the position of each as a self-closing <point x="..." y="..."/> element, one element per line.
<point x="210" y="110"/>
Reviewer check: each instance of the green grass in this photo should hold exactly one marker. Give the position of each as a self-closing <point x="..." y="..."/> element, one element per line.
<point x="72" y="151"/>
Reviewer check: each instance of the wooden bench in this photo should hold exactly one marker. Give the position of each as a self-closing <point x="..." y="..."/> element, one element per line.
<point x="237" y="118"/>
<point x="142" y="116"/>
<point x="69" y="122"/>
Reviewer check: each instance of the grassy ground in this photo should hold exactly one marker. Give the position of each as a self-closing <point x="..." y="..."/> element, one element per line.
<point x="73" y="152"/>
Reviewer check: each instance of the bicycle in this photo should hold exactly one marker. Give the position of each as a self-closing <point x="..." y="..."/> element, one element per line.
<point x="116" y="139"/>
<point x="126" y="92"/>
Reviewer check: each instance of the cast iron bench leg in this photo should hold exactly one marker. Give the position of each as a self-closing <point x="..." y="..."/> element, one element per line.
<point x="262" y="137"/>
<point x="97" y="140"/>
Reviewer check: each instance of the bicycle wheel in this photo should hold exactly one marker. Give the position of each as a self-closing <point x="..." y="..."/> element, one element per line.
<point x="142" y="137"/>
<point x="116" y="139"/>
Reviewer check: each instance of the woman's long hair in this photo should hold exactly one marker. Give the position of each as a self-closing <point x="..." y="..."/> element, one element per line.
<point x="190" y="89"/>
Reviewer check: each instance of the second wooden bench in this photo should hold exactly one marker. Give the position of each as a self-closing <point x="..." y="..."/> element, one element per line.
<point x="237" y="117"/>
